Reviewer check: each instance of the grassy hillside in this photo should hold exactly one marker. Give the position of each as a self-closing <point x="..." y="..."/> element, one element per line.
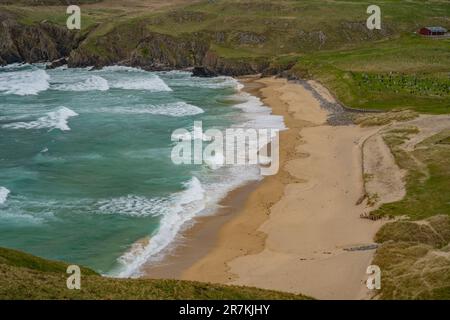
<point x="323" y="39"/>
<point x="409" y="72"/>
<point x="415" y="251"/>
<point x="23" y="276"/>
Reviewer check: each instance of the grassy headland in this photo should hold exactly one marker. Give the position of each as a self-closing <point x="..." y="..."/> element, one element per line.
<point x="325" y="40"/>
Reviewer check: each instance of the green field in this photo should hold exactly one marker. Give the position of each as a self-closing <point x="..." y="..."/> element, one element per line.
<point x="409" y="72"/>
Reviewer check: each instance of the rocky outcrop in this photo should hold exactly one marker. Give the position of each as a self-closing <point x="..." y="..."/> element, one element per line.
<point x="34" y="43"/>
<point x="162" y="52"/>
<point x="234" y="67"/>
<point x="127" y="44"/>
<point x="203" y="72"/>
<point x="57" y="63"/>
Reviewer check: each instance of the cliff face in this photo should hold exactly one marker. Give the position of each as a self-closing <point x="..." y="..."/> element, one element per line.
<point x="234" y="67"/>
<point x="37" y="43"/>
<point x="150" y="50"/>
<point x="134" y="46"/>
<point x="138" y="47"/>
<point x="159" y="51"/>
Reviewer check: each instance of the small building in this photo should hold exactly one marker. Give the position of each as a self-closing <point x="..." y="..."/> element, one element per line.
<point x="433" y="31"/>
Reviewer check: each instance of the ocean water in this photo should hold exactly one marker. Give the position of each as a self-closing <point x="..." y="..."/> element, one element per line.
<point x="85" y="168"/>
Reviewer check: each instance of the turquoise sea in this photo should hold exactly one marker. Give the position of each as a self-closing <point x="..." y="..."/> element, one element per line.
<point x="85" y="168"/>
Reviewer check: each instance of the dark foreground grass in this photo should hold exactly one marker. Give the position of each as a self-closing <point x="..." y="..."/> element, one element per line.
<point x="23" y="276"/>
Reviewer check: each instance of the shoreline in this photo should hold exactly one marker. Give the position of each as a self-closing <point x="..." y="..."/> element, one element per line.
<point x="295" y="232"/>
<point x="237" y="212"/>
<point x="199" y="239"/>
<point x="302" y="230"/>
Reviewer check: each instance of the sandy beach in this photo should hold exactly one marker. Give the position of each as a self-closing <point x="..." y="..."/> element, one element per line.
<point x="301" y="230"/>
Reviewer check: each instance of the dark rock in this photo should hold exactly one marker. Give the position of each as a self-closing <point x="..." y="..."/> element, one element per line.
<point x="234" y="67"/>
<point x="203" y="72"/>
<point x="57" y="63"/>
<point x="163" y="52"/>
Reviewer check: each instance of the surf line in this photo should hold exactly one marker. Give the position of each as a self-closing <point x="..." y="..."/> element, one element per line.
<point x="238" y="146"/>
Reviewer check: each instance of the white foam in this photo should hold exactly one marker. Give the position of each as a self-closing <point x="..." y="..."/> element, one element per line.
<point x="3" y="194"/>
<point x="185" y="79"/>
<point x="24" y="82"/>
<point x="14" y="66"/>
<point x="92" y="83"/>
<point x="259" y="116"/>
<point x="185" y="206"/>
<point x="57" y="119"/>
<point x="134" y="206"/>
<point x="152" y="84"/>
<point x="175" y="109"/>
<point x="122" y="68"/>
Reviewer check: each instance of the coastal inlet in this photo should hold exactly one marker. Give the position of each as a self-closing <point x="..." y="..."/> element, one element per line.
<point x="85" y="169"/>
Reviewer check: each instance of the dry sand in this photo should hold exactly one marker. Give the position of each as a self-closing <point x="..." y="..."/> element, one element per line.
<point x="295" y="229"/>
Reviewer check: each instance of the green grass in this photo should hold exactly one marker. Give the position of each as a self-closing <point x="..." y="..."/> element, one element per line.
<point x="415" y="252"/>
<point x="19" y="259"/>
<point x="428" y="177"/>
<point x="409" y="72"/>
<point x="23" y="276"/>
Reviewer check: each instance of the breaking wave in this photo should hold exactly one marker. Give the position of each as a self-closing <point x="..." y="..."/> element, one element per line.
<point x="175" y="109"/>
<point x="184" y="206"/>
<point x="57" y="119"/>
<point x="92" y="83"/>
<point x="24" y="83"/>
<point x="153" y="84"/>
<point x="3" y="194"/>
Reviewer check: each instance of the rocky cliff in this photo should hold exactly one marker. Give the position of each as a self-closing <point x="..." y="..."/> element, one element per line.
<point x="160" y="43"/>
<point x="34" y="43"/>
<point x="138" y="47"/>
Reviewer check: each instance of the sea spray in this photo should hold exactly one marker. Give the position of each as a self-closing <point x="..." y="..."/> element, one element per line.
<point x="24" y="83"/>
<point x="3" y="194"/>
